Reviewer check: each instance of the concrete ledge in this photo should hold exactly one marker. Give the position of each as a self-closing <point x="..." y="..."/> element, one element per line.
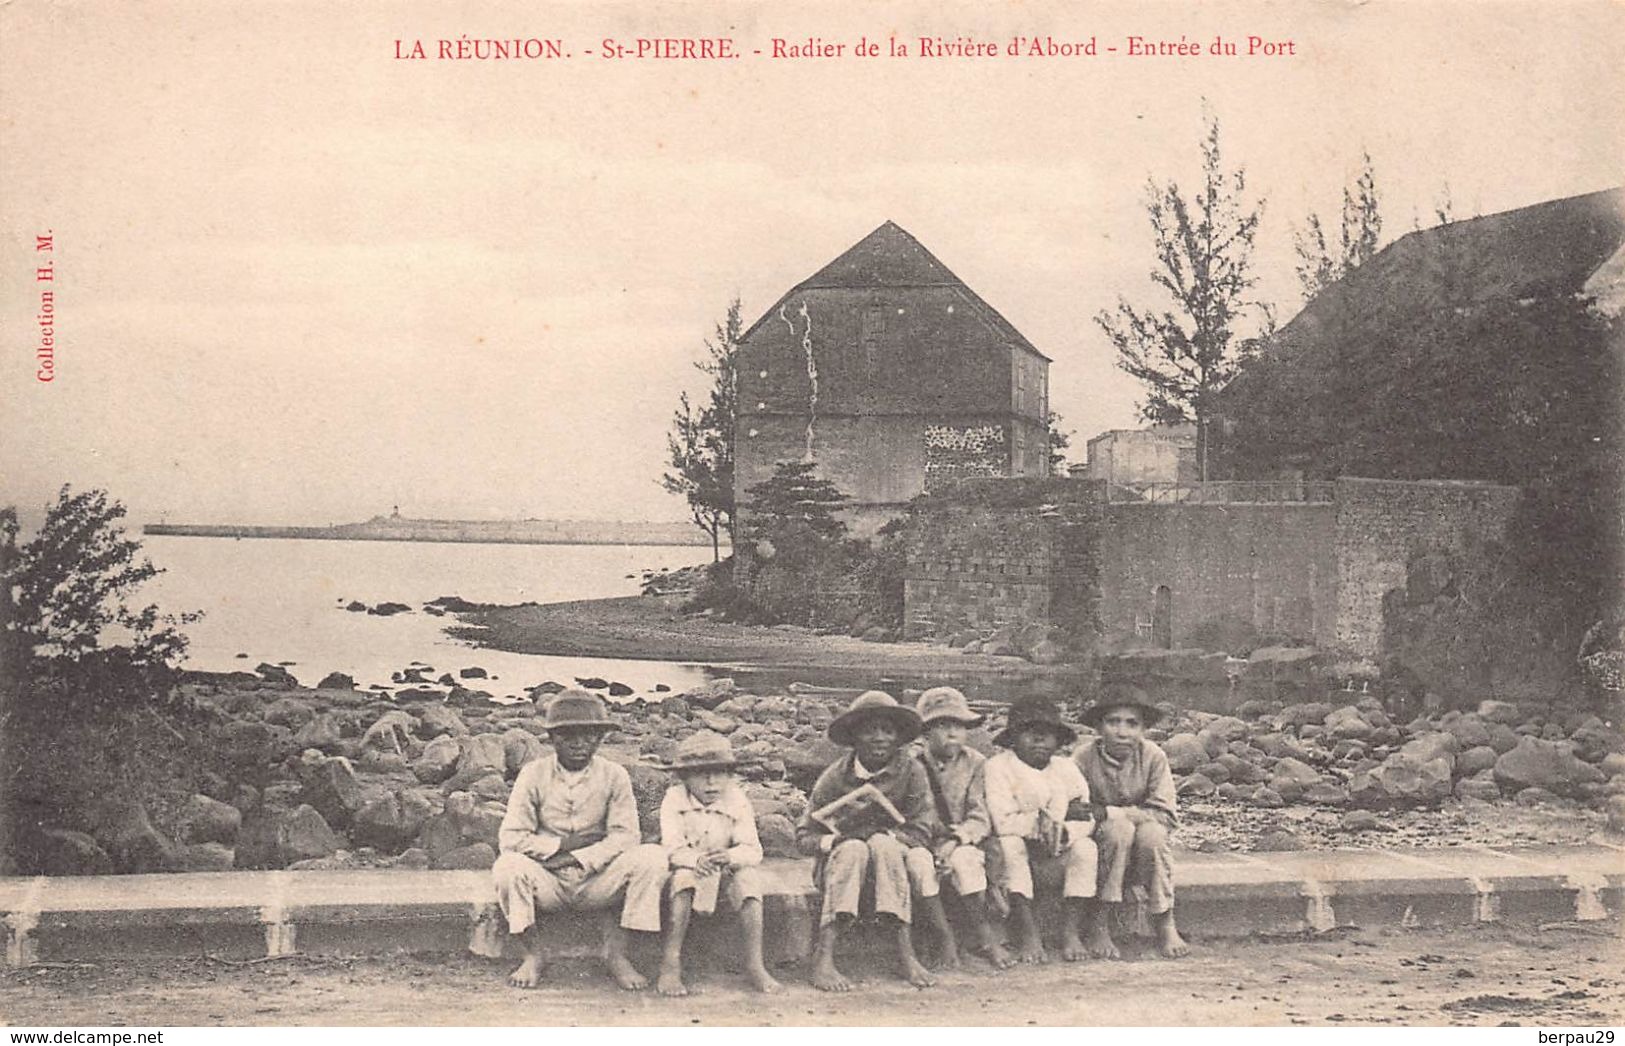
<point x="245" y="914"/>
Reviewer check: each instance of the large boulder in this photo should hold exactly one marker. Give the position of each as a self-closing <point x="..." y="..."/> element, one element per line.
<point x="1306" y="713"/>
<point x="479" y="756"/>
<point x="464" y="820"/>
<point x="518" y="748"/>
<point x="333" y="790"/>
<point x="1428" y="747"/>
<point x="804" y="762"/>
<point x="1500" y="712"/>
<point x="1480" y="786"/>
<point x="336" y="681"/>
<point x="275" y="838"/>
<point x="1471" y="731"/>
<point x="1399" y="782"/>
<point x="123" y="829"/>
<point x="1551" y="765"/>
<point x="1476" y="760"/>
<point x="289" y="712"/>
<point x="390" y="822"/>
<point x="711" y="694"/>
<point x="324" y="733"/>
<point x="1347" y="723"/>
<point x="472" y="857"/>
<point x="437" y="721"/>
<point x="778" y="835"/>
<point x="438" y="761"/>
<point x="392" y="732"/>
<point x="276" y="674"/>
<point x="1185" y="753"/>
<point x="1296" y="771"/>
<point x="62" y="851"/>
<point x="207" y="820"/>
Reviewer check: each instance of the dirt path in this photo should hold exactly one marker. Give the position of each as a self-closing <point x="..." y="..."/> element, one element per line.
<point x="1568" y="975"/>
<point x="653" y="627"/>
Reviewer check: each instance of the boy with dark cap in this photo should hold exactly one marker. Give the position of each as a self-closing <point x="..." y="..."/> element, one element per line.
<point x="955" y="856"/>
<point x="1136" y="806"/>
<point x="864" y="844"/>
<point x="708" y="829"/>
<point x="1039" y="803"/>
<point x="571" y="840"/>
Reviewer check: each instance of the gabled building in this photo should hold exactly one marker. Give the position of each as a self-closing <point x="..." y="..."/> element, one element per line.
<point x="894" y="376"/>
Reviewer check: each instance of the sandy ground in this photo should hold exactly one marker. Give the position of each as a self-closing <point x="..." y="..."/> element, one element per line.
<point x="1567" y="974"/>
<point x="654" y="628"/>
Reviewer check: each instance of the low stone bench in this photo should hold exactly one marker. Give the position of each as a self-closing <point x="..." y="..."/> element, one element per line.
<point x="251" y="914"/>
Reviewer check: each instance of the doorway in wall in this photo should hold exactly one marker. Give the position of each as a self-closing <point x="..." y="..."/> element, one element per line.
<point x="1162" y="619"/>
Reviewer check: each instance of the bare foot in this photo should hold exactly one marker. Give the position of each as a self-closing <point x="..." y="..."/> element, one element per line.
<point x="529" y="973"/>
<point x="826" y="978"/>
<point x="917" y="975"/>
<point x="1170" y="944"/>
<point x="764" y="981"/>
<point x="1072" y="949"/>
<point x="948" y="958"/>
<point x="1101" y="945"/>
<point x="999" y="956"/>
<point x="1031" y="953"/>
<point x="626" y="975"/>
<point x="670" y="981"/>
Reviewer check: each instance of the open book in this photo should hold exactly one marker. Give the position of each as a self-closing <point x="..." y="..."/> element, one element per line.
<point x="865" y="808"/>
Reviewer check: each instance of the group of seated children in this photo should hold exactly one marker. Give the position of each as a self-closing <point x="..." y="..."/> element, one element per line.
<point x="888" y="822"/>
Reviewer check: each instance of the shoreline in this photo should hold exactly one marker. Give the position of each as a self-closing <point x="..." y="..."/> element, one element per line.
<point x="654" y="628"/>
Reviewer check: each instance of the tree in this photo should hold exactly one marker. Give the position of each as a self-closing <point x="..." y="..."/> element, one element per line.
<point x="700" y="447"/>
<point x="1358" y="236"/>
<point x="1059" y="441"/>
<point x="1204" y="244"/>
<point x="794" y="509"/>
<point x="86" y="681"/>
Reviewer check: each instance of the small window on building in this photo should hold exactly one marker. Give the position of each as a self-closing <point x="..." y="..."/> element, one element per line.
<point x="872" y="327"/>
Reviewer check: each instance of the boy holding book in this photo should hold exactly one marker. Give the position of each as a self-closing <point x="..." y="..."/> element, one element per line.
<point x="955" y="857"/>
<point x="708" y="829"/>
<point x="866" y="810"/>
<point x="1039" y="804"/>
<point x="1136" y="807"/>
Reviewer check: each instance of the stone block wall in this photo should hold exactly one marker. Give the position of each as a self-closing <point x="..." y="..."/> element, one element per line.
<point x="1381" y="524"/>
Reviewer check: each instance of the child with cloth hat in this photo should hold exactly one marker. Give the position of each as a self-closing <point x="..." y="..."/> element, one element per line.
<point x="955" y="856"/>
<point x="708" y="829"/>
<point x="1136" y="806"/>
<point x="865" y="812"/>
<point x="1039" y="804"/>
<point x="571" y="840"/>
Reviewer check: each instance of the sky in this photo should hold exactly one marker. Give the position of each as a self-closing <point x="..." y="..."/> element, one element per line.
<point x="299" y="280"/>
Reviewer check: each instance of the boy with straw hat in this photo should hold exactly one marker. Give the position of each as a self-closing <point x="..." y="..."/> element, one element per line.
<point x="571" y="840"/>
<point x="866" y="810"/>
<point x="955" y="856"/>
<point x="708" y="829"/>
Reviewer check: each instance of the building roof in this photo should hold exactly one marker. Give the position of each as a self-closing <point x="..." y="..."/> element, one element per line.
<point x="1550" y="249"/>
<point x="891" y="258"/>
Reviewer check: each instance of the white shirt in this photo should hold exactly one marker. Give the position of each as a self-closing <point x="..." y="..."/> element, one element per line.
<point x="690" y="829"/>
<point x="1016" y="792"/>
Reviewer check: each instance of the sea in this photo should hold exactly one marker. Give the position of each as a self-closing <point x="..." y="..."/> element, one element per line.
<point x="282" y="600"/>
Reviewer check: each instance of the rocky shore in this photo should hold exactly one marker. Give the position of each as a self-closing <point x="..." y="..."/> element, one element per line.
<point x="334" y="777"/>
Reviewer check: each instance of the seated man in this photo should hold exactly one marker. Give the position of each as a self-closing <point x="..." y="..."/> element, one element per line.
<point x="1136" y="807"/>
<point x="571" y="840"/>
<point x="1039" y="803"/>
<point x="955" y="858"/>
<point x="868" y="808"/>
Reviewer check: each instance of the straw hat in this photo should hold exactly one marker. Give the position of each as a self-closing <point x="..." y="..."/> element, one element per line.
<point x="944" y="702"/>
<point x="871" y="704"/>
<point x="577" y="708"/>
<point x="706" y="750"/>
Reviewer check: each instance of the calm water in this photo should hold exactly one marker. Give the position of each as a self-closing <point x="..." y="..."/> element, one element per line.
<point x="278" y="599"/>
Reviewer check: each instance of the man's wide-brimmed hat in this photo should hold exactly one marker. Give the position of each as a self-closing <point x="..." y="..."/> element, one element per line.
<point x="706" y="750"/>
<point x="871" y="704"/>
<point x="1119" y="696"/>
<point x="944" y="702"/>
<point x="577" y="708"/>
<point x="1034" y="710"/>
